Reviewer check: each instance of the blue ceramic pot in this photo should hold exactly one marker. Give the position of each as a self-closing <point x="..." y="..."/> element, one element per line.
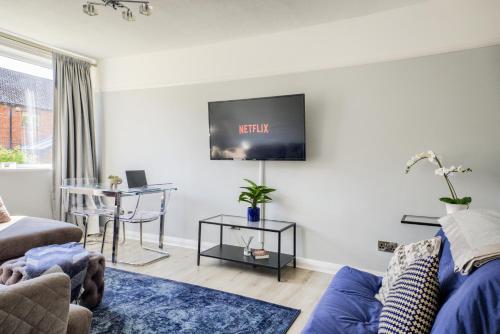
<point x="253" y="214"/>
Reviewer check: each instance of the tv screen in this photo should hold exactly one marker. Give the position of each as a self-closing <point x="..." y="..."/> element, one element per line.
<point x="268" y="128"/>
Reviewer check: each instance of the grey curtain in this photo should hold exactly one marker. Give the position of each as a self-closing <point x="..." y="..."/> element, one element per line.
<point x="73" y="151"/>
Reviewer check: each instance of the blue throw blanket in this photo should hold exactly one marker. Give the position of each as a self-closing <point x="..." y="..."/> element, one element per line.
<point x="70" y="258"/>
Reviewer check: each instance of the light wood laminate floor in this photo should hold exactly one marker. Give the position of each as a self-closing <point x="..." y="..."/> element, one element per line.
<point x="299" y="288"/>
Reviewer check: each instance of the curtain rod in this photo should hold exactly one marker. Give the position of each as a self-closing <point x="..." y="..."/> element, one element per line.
<point x="44" y="48"/>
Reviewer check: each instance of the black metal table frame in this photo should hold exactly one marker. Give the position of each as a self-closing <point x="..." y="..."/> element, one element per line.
<point x="222" y="225"/>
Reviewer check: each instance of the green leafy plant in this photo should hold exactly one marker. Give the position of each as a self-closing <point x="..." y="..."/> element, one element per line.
<point x="463" y="200"/>
<point x="11" y="155"/>
<point x="444" y="172"/>
<point x="255" y="194"/>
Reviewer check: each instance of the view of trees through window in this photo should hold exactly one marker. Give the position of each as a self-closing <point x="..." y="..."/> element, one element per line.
<point x="26" y="99"/>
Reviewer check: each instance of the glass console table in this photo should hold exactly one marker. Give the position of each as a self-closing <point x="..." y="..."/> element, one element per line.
<point x="277" y="260"/>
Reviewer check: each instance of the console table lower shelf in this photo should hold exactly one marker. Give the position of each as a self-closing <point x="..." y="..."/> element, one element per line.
<point x="277" y="260"/>
<point x="235" y="254"/>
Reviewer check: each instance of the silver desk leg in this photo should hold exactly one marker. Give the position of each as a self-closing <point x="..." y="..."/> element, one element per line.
<point x="162" y="219"/>
<point x="162" y="231"/>
<point x="116" y="227"/>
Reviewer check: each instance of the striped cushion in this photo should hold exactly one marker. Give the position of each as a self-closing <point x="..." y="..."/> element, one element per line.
<point x="412" y="304"/>
<point x="404" y="255"/>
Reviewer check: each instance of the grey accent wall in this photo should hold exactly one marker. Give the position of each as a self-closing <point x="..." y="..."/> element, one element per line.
<point x="363" y="124"/>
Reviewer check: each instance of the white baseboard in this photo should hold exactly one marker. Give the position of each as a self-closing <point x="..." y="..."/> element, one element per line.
<point x="317" y="265"/>
<point x="302" y="262"/>
<point x="170" y="241"/>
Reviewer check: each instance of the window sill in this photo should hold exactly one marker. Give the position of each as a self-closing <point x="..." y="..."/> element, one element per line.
<point x="27" y="168"/>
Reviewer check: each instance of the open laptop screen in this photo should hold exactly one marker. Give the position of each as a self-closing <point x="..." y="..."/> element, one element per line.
<point x="136" y="178"/>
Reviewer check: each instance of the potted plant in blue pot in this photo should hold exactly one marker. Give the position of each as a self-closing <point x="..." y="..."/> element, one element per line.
<point x="254" y="194"/>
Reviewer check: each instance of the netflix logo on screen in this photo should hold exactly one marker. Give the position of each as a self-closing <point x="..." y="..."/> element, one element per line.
<point x="267" y="128"/>
<point x="254" y="128"/>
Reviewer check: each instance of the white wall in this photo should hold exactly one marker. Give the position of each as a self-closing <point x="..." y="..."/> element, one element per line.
<point x="429" y="27"/>
<point x="363" y="123"/>
<point x="27" y="192"/>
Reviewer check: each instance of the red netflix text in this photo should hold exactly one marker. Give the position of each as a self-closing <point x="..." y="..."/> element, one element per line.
<point x="254" y="128"/>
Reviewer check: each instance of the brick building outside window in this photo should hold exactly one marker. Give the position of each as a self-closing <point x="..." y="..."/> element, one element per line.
<point x="26" y="118"/>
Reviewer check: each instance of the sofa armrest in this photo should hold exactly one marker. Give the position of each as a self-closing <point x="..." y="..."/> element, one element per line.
<point x="37" y="305"/>
<point x="31" y="232"/>
<point x="79" y="320"/>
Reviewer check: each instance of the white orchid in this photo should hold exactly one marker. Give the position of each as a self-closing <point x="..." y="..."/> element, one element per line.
<point x="429" y="155"/>
<point x="441" y="171"/>
<point x="449" y="171"/>
<point x="432" y="157"/>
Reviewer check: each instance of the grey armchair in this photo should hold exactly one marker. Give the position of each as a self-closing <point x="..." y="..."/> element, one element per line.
<point x="41" y="305"/>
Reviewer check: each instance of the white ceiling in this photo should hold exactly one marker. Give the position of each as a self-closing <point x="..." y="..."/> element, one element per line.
<point x="174" y="23"/>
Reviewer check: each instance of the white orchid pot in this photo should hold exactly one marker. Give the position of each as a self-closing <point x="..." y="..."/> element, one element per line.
<point x="452" y="208"/>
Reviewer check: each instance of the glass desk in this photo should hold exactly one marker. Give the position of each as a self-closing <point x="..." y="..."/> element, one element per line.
<point x="277" y="260"/>
<point x="117" y="193"/>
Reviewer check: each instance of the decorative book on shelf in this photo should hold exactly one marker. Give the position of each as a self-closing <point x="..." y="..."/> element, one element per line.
<point x="260" y="254"/>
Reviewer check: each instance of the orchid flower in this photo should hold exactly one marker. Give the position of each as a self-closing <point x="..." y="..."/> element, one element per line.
<point x="441" y="171"/>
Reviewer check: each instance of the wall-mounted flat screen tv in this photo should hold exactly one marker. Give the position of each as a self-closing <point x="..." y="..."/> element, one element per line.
<point x="267" y="128"/>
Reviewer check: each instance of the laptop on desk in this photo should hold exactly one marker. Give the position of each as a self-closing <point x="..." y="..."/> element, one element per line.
<point x="136" y="180"/>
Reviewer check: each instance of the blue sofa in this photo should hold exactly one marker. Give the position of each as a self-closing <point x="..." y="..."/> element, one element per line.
<point x="469" y="304"/>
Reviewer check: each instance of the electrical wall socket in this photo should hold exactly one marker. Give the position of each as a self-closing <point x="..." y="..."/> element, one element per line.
<point x="387" y="246"/>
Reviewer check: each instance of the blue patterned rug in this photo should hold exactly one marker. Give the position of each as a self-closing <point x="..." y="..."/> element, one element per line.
<point x="135" y="303"/>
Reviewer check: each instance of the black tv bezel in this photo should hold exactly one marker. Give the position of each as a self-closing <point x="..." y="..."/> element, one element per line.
<point x="260" y="98"/>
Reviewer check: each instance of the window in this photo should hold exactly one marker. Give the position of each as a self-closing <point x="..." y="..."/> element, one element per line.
<point x="26" y="99"/>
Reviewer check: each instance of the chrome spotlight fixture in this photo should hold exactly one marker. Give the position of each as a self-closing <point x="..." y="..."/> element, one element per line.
<point x="128" y="15"/>
<point x="89" y="9"/>
<point x="145" y="7"/>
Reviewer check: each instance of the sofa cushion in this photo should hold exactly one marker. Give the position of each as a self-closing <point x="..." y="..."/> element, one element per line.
<point x="79" y="320"/>
<point x="469" y="303"/>
<point x="412" y="303"/>
<point x="30" y="232"/>
<point x="405" y="255"/>
<point x="35" y="306"/>
<point x="348" y="305"/>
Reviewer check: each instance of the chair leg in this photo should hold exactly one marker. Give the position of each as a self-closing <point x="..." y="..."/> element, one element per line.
<point x="104" y="235"/>
<point x="163" y="253"/>
<point x="123" y="226"/>
<point x="85" y="230"/>
<point x="140" y="232"/>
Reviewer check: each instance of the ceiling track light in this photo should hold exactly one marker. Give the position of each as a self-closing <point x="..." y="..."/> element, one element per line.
<point x="145" y="7"/>
<point x="89" y="9"/>
<point x="128" y="15"/>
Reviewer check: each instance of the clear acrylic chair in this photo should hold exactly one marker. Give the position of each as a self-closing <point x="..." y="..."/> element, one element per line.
<point x="139" y="216"/>
<point x="79" y="200"/>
